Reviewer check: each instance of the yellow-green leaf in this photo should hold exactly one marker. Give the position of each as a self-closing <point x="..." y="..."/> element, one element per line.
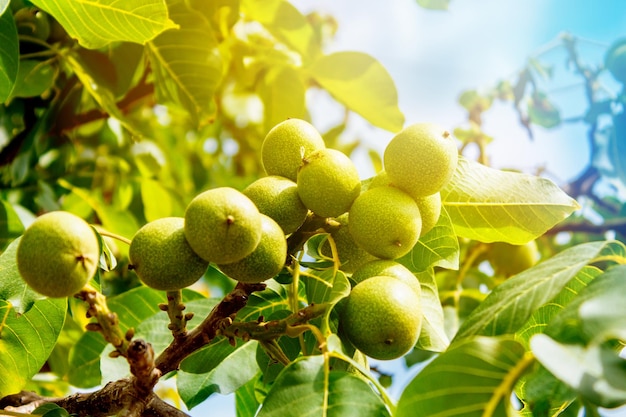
<point x="490" y="205"/>
<point x="97" y="23"/>
<point x="362" y="84"/>
<point x="286" y="23"/>
<point x="282" y="92"/>
<point x="186" y="62"/>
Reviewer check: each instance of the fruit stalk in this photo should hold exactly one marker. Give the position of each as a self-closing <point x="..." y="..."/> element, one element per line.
<point x="174" y="309"/>
<point x="106" y="321"/>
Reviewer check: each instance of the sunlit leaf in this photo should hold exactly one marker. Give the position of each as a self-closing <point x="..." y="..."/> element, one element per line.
<point x="474" y="379"/>
<point x="514" y="301"/>
<point x="26" y="340"/>
<point x="490" y="205"/>
<point x="100" y="22"/>
<point x="282" y="92"/>
<point x="9" y="52"/>
<point x="157" y="201"/>
<point x="229" y="374"/>
<point x="596" y="372"/>
<point x="362" y="84"/>
<point x="305" y="388"/>
<point x="186" y="63"/>
<point x="286" y="23"/>
<point x="439" y="247"/>
<point x="433" y="335"/>
<point x="544" y="315"/>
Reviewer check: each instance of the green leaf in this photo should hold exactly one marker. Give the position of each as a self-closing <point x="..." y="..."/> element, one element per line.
<point x="603" y="315"/>
<point x="50" y="410"/>
<point x="286" y="23"/>
<point x="26" y="340"/>
<point x="157" y="200"/>
<point x="282" y="92"/>
<point x="439" y="247"/>
<point x="490" y="205"/>
<point x="265" y="303"/>
<point x="187" y="63"/>
<point x="474" y="379"/>
<point x="229" y="374"/>
<point x="13" y="289"/>
<point x="596" y="372"/>
<point x="9" y="53"/>
<point x="512" y="303"/>
<point x="433" y="336"/>
<point x="10" y="224"/>
<point x="33" y="78"/>
<point x="544" y="315"/>
<point x="307" y="388"/>
<point x="97" y="23"/>
<point x="246" y="403"/>
<point x="434" y="4"/>
<point x="362" y="84"/>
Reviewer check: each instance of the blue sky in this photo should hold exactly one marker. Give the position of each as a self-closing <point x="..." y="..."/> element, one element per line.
<point x="433" y="56"/>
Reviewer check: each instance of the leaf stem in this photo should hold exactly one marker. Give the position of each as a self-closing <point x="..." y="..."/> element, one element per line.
<point x="114" y="236"/>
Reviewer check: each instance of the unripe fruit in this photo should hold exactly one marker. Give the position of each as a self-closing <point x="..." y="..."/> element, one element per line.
<point x="430" y="211"/>
<point x="328" y="183"/>
<point x="222" y="225"/>
<point x="508" y="259"/>
<point x="382" y="317"/>
<point x="615" y="60"/>
<point x="421" y="159"/>
<point x="58" y="254"/>
<point x="351" y="255"/>
<point x="429" y="206"/>
<point x="277" y="197"/>
<point x="385" y="221"/>
<point x="388" y="268"/>
<point x="266" y="260"/>
<point x="287" y="144"/>
<point x="162" y="258"/>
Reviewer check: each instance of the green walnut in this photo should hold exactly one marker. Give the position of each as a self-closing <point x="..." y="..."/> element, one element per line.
<point x="389" y="268"/>
<point x="382" y="317"/>
<point x="277" y="197"/>
<point x="385" y="221"/>
<point x="328" y="183"/>
<point x="162" y="257"/>
<point x="266" y="260"/>
<point x="508" y="260"/>
<point x="351" y="256"/>
<point x="287" y="144"/>
<point x="58" y="254"/>
<point x="222" y="225"/>
<point x="421" y="159"/>
<point x="429" y="206"/>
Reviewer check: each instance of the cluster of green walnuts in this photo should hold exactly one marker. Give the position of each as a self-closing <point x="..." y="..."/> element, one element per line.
<point x="245" y="233"/>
